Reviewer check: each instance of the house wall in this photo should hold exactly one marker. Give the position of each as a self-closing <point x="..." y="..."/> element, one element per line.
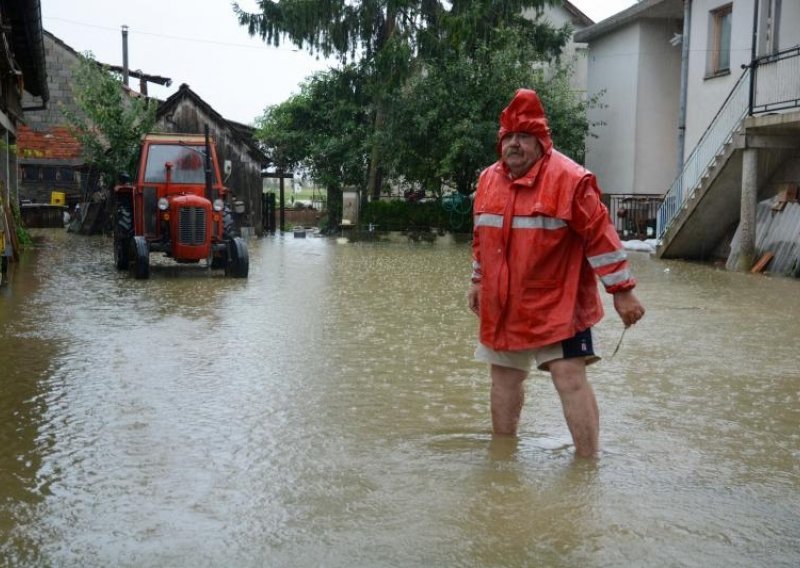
<point x="574" y="53"/>
<point x="60" y="62"/>
<point x="50" y="157"/>
<point x="245" y="178"/>
<point x="613" y="60"/>
<point x="789" y="35"/>
<point x="657" y="107"/>
<point x="705" y="95"/>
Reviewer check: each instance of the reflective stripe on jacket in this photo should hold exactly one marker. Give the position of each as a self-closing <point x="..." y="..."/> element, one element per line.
<point x="539" y="242"/>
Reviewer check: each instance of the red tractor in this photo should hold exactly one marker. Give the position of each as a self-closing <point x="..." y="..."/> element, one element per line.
<point x="177" y="206"/>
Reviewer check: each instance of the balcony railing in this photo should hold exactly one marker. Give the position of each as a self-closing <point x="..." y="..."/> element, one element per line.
<point x="776" y="81"/>
<point x="775" y="86"/>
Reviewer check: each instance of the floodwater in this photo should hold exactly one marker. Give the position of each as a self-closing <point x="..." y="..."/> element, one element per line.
<point x="327" y="412"/>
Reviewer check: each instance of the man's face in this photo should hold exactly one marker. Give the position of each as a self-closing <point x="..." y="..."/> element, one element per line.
<point x="520" y="151"/>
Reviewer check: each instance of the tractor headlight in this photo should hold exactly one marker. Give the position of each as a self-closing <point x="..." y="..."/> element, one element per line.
<point x="218" y="205"/>
<point x="163" y="204"/>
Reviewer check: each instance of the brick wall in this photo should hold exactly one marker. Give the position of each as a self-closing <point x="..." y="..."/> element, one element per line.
<point x="49" y="156"/>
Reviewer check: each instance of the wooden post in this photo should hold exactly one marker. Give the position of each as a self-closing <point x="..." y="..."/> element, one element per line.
<point x="282" y="202"/>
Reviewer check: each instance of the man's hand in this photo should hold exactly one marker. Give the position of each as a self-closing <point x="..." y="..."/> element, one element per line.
<point x="473" y="298"/>
<point x="628" y="307"/>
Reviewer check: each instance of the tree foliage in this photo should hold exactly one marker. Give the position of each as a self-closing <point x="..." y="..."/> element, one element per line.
<point x="109" y="120"/>
<point x="444" y="124"/>
<point x="386" y="36"/>
<point x="324" y="130"/>
<point x="424" y="100"/>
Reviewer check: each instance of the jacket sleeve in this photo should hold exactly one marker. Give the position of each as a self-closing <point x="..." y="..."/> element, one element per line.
<point x="476" y="254"/>
<point x="602" y="246"/>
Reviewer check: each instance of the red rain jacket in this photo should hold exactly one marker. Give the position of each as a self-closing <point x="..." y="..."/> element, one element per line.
<point x="539" y="242"/>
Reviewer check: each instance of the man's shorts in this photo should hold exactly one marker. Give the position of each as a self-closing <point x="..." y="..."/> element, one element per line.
<point x="579" y="345"/>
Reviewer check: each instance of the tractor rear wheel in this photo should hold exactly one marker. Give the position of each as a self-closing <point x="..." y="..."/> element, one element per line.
<point x="141" y="265"/>
<point x="123" y="231"/>
<point x="238" y="264"/>
<point x="122" y="253"/>
<point x="228" y="226"/>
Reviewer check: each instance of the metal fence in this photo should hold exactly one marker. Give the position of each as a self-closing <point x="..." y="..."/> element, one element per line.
<point x="776" y="81"/>
<point x="775" y="86"/>
<point x="633" y="216"/>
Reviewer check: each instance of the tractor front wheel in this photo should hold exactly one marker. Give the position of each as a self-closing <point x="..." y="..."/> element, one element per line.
<point x="238" y="264"/>
<point x="141" y="266"/>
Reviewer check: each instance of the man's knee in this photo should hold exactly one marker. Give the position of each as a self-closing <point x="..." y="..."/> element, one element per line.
<point x="507" y="377"/>
<point x="569" y="375"/>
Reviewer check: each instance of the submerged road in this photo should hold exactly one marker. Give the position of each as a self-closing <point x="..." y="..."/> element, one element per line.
<point x="327" y="412"/>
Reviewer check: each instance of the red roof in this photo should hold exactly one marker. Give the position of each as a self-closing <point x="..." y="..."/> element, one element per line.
<point x="56" y="144"/>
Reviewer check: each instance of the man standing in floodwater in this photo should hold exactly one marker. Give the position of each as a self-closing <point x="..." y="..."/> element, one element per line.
<point x="541" y="238"/>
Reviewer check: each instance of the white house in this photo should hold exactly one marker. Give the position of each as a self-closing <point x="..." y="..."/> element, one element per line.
<point x="574" y="53"/>
<point x="677" y="118"/>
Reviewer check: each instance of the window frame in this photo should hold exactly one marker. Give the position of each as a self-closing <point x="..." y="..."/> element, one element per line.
<point x="716" y="36"/>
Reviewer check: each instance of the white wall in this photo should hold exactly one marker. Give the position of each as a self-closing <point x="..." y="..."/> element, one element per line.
<point x="657" y="107"/>
<point x="613" y="60"/>
<point x="574" y="53"/>
<point x="789" y="35"/>
<point x="706" y="95"/>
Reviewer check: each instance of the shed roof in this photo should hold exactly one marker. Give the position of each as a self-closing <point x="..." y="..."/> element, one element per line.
<point x="578" y="17"/>
<point x="654" y="9"/>
<point x="241" y="133"/>
<point x="25" y="19"/>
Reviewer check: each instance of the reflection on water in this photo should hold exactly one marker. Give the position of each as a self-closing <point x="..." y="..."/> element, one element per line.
<point x="327" y="412"/>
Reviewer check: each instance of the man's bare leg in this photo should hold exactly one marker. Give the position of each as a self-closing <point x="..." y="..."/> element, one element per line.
<point x="579" y="403"/>
<point x="507" y="397"/>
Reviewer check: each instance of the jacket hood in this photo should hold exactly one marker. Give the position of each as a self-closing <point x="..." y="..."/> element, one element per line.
<point x="525" y="114"/>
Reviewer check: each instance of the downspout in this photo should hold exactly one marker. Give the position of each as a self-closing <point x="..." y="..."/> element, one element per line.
<point x="687" y="22"/>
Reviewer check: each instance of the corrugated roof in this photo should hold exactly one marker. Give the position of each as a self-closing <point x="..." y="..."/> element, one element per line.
<point x="777" y="232"/>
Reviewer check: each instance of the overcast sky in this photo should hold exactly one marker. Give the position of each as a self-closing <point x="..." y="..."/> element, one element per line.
<point x="200" y="43"/>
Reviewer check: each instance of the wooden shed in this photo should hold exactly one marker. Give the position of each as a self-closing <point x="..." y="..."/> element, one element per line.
<point x="186" y="112"/>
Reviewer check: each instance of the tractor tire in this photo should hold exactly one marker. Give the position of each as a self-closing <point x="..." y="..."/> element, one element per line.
<point x="123" y="221"/>
<point x="141" y="264"/>
<point x="228" y="226"/>
<point x="122" y="253"/>
<point x="238" y="264"/>
<point x="123" y="231"/>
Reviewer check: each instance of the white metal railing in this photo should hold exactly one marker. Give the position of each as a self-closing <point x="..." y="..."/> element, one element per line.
<point x="775" y="85"/>
<point x="719" y="132"/>
<point x="777" y="81"/>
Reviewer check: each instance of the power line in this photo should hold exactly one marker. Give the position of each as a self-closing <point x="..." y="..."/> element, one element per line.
<point x="132" y="31"/>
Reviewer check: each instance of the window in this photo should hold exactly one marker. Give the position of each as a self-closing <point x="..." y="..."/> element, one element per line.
<point x="719" y="37"/>
<point x="187" y="164"/>
<point x="769" y="27"/>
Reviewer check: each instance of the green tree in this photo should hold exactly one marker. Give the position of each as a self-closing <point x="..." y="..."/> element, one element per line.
<point x="443" y="126"/>
<point x="109" y="120"/>
<point x="383" y="36"/>
<point x="323" y="130"/>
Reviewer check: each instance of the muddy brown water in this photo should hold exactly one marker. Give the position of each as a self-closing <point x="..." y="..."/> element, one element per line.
<point x="327" y="412"/>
